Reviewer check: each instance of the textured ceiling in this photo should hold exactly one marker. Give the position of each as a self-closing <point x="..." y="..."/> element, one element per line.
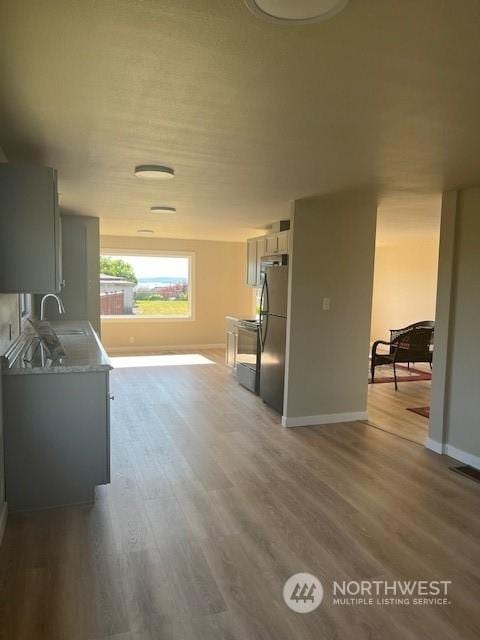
<point x="252" y="115"/>
<point x="403" y="215"/>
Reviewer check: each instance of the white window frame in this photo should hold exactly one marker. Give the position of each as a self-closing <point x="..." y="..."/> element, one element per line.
<point x="105" y="251"/>
<point x="25" y="303"/>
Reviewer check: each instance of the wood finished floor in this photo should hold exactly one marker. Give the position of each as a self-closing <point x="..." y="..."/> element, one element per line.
<point x="387" y="408"/>
<point x="213" y="505"/>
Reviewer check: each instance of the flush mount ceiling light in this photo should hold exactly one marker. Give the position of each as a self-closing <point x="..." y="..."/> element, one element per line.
<point x="154" y="171"/>
<point x="144" y="230"/>
<point x="162" y="208"/>
<point x="299" y="11"/>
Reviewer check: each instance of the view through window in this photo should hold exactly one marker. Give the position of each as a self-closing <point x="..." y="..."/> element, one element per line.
<point x="140" y="285"/>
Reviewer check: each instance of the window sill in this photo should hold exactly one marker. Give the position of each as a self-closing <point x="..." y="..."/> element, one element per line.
<point x="133" y="318"/>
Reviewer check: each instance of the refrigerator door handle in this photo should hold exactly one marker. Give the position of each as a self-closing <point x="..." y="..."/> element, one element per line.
<point x="265" y="298"/>
<point x="261" y="296"/>
<point x="261" y="314"/>
<point x="264" y="336"/>
<point x="264" y="314"/>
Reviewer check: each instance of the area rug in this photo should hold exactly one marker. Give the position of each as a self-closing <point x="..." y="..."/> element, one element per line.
<point x="384" y="373"/>
<point x="422" y="411"/>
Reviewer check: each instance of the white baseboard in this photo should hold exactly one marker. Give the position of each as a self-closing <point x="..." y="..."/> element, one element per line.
<point x="448" y="450"/>
<point x="157" y="349"/>
<point x="434" y="445"/>
<point x="326" y="418"/>
<point x="463" y="456"/>
<point x="3" y="519"/>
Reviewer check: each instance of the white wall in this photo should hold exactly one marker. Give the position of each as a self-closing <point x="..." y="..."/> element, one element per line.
<point x="456" y="379"/>
<point x="327" y="354"/>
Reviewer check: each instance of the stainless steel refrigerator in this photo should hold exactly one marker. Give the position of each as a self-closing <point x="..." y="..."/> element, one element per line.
<point x="273" y="335"/>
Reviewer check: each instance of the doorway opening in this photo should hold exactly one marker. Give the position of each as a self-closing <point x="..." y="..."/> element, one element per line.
<point x="403" y="317"/>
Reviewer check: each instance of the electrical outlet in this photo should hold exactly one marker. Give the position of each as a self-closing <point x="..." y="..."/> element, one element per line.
<point x="132" y="339"/>
<point x="326" y="304"/>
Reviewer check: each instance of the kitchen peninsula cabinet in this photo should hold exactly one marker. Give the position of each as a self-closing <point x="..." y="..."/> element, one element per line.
<point x="57" y="422"/>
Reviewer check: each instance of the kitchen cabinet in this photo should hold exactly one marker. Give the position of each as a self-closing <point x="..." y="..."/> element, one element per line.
<point x="81" y="271"/>
<point x="277" y="243"/>
<point x="30" y="232"/>
<point x="274" y="243"/>
<point x="271" y="244"/>
<point x="260" y="254"/>
<point x="56" y="421"/>
<point x="282" y="241"/>
<point x="231" y="341"/>
<point x="256" y="249"/>
<point x="57" y="442"/>
<point x="252" y="262"/>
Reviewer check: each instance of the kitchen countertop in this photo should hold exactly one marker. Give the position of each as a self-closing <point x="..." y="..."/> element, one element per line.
<point x="84" y="351"/>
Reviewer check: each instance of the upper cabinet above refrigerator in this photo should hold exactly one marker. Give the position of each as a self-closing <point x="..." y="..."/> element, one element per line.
<point x="30" y="234"/>
<point x="274" y="243"/>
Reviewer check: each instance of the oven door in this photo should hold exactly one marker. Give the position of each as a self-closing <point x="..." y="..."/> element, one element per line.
<point x="247" y="357"/>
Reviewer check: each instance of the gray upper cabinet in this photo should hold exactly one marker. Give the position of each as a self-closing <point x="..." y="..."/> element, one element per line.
<point x="30" y="233"/>
<point x="282" y="241"/>
<point x="269" y="245"/>
<point x="256" y="249"/>
<point x="260" y="254"/>
<point x="252" y="262"/>
<point x="81" y="271"/>
<point x="277" y="243"/>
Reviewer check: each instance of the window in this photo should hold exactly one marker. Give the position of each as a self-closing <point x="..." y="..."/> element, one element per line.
<point x="25" y="306"/>
<point x="135" y="285"/>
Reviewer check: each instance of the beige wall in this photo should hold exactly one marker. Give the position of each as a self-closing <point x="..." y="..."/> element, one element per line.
<point x="219" y="290"/>
<point x="405" y="283"/>
<point x="327" y="353"/>
<point x="439" y="403"/>
<point x="459" y="303"/>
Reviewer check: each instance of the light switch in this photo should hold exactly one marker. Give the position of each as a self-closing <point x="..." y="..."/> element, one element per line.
<point x="326" y="304"/>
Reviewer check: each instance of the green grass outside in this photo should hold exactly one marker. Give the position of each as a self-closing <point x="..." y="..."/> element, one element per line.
<point x="161" y="308"/>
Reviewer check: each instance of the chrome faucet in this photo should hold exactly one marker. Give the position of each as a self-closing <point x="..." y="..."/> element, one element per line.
<point x="61" y="308"/>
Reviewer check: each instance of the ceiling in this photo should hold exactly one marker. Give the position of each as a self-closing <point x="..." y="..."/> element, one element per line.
<point x="251" y="114"/>
<point x="405" y="215"/>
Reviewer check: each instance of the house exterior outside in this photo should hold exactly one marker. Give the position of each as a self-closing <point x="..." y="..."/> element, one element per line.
<point x="116" y="295"/>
